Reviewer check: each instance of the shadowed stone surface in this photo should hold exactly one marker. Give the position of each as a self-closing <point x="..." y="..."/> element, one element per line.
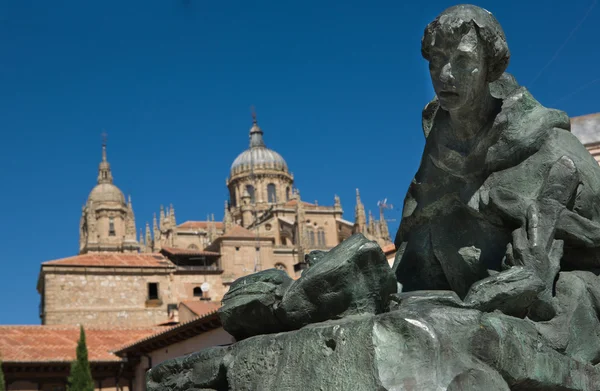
<point x="249" y="305"/>
<point x="352" y="278"/>
<point x="417" y="347"/>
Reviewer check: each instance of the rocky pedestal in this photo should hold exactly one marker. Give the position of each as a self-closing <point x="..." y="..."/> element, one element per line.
<point x="418" y="347"/>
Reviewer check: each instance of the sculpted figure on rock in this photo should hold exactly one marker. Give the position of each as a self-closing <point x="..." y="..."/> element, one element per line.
<point x="502" y="182"/>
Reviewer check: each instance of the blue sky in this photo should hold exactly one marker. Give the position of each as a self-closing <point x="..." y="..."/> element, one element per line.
<point x="338" y="87"/>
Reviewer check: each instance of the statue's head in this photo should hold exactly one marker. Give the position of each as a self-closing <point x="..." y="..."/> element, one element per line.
<point x="466" y="49"/>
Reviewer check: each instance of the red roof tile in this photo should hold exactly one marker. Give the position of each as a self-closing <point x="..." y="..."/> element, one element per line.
<point x="200" y="224"/>
<point x="187" y="251"/>
<point x="58" y="343"/>
<point x="113" y="260"/>
<point x="206" y="322"/>
<point x="201" y="307"/>
<point x="237" y="231"/>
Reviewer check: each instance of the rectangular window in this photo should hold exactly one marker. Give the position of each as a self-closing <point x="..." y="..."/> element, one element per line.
<point x="153" y="291"/>
<point x="111" y="227"/>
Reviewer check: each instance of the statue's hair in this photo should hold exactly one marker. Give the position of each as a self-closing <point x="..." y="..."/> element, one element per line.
<point x="460" y="19"/>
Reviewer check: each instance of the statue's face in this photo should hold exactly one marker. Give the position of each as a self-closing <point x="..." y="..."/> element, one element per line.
<point x="457" y="68"/>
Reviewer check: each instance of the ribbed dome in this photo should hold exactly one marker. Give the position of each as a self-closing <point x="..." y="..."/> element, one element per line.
<point x="106" y="192"/>
<point x="258" y="155"/>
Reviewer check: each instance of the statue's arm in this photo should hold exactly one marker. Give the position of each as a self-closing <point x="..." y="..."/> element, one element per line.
<point x="533" y="258"/>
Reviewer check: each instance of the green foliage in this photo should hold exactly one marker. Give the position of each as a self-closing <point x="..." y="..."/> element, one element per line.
<point x="80" y="378"/>
<point x="2" y="385"/>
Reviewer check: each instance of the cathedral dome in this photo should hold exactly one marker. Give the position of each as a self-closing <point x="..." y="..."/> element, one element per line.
<point x="106" y="192"/>
<point x="258" y="155"/>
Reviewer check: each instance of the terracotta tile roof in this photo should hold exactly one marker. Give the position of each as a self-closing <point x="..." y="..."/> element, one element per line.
<point x="237" y="231"/>
<point x="201" y="307"/>
<point x="183" y="331"/>
<point x="187" y="251"/>
<point x="586" y="128"/>
<point x="200" y="224"/>
<point x="113" y="260"/>
<point x="58" y="343"/>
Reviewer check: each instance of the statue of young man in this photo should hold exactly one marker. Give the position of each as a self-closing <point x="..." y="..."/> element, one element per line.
<point x="502" y="181"/>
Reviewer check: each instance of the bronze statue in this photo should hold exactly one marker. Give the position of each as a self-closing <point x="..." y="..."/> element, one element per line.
<point x="501" y="176"/>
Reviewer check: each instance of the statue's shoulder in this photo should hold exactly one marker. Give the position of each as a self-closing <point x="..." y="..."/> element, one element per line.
<point x="518" y="102"/>
<point x="428" y="115"/>
<point x="523" y="125"/>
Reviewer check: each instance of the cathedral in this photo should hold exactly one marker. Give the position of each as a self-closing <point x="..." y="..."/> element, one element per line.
<point x="121" y="279"/>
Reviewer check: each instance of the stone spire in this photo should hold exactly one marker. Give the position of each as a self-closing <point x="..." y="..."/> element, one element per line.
<point x="372" y="230"/>
<point x="227" y="219"/>
<point x="383" y="227"/>
<point x="360" y="219"/>
<point x="300" y="226"/>
<point x="172" y="216"/>
<point x="104" y="173"/>
<point x="143" y="247"/>
<point x="157" y="237"/>
<point x="149" y="244"/>
<point x="256" y="133"/>
<point x="337" y="204"/>
<point x="162" y="217"/>
<point x="130" y="238"/>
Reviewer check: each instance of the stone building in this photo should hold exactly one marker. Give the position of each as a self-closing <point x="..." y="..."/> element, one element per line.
<point x="107" y="221"/>
<point x="116" y="280"/>
<point x="587" y="130"/>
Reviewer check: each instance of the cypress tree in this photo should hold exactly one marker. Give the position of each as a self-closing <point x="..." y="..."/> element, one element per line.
<point x="80" y="378"/>
<point x="2" y="384"/>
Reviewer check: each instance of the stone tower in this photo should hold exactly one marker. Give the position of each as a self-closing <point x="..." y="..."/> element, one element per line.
<point x="360" y="218"/>
<point x="260" y="172"/>
<point x="107" y="220"/>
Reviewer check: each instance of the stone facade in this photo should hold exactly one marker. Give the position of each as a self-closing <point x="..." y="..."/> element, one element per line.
<point x="117" y="296"/>
<point x="107" y="221"/>
<point x="109" y="282"/>
<point x="587" y="130"/>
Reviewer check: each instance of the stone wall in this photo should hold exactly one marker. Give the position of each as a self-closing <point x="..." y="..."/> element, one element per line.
<point x="100" y="297"/>
<point x="184" y="284"/>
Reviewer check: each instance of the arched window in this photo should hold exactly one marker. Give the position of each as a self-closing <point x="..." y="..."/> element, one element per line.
<point x="287" y="193"/>
<point x="311" y="237"/>
<point x="111" y="226"/>
<point x="192" y="247"/>
<point x="197" y="292"/>
<point x="271" y="193"/>
<point x="233" y="200"/>
<point x="280" y="266"/>
<point x="250" y="190"/>
<point x="321" y="238"/>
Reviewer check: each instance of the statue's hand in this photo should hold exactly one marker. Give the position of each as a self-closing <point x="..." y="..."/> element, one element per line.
<point x="534" y="246"/>
<point x="542" y="256"/>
